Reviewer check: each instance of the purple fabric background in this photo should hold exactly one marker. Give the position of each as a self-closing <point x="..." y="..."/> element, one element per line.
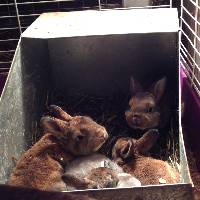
<point x="191" y="118"/>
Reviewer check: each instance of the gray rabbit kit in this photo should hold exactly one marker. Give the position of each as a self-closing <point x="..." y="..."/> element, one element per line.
<point x="96" y="171"/>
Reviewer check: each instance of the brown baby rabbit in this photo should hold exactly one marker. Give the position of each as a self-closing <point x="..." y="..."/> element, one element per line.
<point x="64" y="139"/>
<point x="129" y="153"/>
<point x="146" y="109"/>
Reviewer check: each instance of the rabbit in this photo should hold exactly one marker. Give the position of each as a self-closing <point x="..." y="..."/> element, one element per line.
<point x="96" y="171"/>
<point x="64" y="139"/>
<point x="130" y="153"/>
<point x="146" y="108"/>
<point x="97" y="178"/>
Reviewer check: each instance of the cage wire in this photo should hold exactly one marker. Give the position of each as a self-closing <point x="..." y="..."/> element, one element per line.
<point x="190" y="41"/>
<point x="17" y="15"/>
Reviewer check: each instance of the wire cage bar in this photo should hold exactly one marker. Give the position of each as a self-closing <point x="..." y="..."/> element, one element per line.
<point x="190" y="41"/>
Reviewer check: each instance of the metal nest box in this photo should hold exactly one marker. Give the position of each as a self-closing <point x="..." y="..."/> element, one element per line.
<point x="92" y="52"/>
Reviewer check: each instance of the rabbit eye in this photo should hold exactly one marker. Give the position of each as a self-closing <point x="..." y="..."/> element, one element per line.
<point x="150" y="109"/>
<point x="129" y="110"/>
<point x="79" y="138"/>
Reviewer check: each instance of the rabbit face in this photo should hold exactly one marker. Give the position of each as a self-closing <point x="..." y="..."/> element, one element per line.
<point x="144" y="112"/>
<point x="79" y="135"/>
<point x="86" y="135"/>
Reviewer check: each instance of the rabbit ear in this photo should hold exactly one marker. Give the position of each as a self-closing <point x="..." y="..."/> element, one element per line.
<point x="146" y="142"/>
<point x="60" y="113"/>
<point x="135" y="86"/>
<point x="52" y="125"/>
<point x="159" y="89"/>
<point x="126" y="150"/>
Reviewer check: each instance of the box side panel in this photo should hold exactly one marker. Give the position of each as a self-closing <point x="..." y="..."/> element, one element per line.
<point x="185" y="178"/>
<point x="102" y="65"/>
<point x="22" y="103"/>
<point x="171" y="192"/>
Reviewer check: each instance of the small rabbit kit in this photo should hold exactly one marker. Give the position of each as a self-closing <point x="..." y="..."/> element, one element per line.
<point x="74" y="151"/>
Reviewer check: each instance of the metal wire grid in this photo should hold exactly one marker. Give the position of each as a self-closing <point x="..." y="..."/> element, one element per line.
<point x="190" y="41"/>
<point x="17" y="15"/>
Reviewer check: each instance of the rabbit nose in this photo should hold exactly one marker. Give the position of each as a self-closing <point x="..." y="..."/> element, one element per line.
<point x="136" y="115"/>
<point x="103" y="133"/>
<point x="136" y="119"/>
